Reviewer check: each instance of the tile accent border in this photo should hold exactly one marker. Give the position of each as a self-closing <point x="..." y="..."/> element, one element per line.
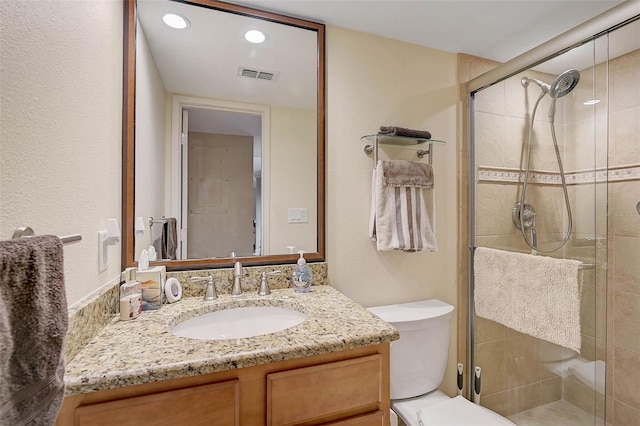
<point x="507" y="175"/>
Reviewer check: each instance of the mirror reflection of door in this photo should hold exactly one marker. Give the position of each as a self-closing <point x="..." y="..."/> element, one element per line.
<point x="222" y="177"/>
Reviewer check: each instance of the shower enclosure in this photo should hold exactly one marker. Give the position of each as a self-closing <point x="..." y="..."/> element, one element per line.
<point x="554" y="170"/>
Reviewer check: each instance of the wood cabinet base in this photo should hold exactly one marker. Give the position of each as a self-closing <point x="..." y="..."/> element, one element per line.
<point x="340" y="388"/>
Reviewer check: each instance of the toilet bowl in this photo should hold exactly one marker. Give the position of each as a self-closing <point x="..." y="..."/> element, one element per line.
<point x="418" y="363"/>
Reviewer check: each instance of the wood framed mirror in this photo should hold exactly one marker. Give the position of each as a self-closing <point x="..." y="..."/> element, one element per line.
<point x="186" y="91"/>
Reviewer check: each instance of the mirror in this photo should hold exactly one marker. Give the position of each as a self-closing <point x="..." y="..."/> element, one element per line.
<point x="223" y="151"/>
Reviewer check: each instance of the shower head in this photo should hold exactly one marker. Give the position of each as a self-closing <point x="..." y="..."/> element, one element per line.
<point x="561" y="86"/>
<point x="564" y="83"/>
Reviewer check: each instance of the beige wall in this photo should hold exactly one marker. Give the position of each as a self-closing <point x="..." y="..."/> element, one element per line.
<point x="151" y="137"/>
<point x="293" y="148"/>
<point x="374" y="81"/>
<point x="61" y="128"/>
<point x="63" y="114"/>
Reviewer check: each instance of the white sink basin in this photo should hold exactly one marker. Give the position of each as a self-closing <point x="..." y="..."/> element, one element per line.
<point x="236" y="323"/>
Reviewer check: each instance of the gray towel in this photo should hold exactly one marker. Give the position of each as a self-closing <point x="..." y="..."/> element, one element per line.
<point x="33" y="325"/>
<point x="171" y="237"/>
<point x="402" y="131"/>
<point x="401" y="173"/>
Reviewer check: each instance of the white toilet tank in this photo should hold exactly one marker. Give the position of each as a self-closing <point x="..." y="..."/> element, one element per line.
<point x="419" y="358"/>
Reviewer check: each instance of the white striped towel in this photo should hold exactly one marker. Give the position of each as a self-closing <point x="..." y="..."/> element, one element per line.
<point x="402" y="210"/>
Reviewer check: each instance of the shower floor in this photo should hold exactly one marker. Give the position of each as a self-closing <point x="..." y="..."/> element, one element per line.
<point x="554" y="414"/>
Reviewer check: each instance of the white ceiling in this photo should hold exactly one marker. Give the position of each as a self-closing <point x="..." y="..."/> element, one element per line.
<point x="498" y="30"/>
<point x="204" y="60"/>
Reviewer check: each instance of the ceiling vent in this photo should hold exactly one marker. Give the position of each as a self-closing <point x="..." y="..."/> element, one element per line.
<point x="257" y="74"/>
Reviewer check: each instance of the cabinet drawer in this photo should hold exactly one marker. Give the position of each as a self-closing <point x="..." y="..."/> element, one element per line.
<point x="347" y="387"/>
<point x="371" y="419"/>
<point x="216" y="403"/>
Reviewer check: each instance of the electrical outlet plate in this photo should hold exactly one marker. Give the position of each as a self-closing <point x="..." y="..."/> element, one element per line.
<point x="103" y="251"/>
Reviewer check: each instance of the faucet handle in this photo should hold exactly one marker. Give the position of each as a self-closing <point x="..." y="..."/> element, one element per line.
<point x="264" y="284"/>
<point x="210" y="293"/>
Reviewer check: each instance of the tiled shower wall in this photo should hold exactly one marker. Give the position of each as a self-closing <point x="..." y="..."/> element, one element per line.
<point x="514" y="374"/>
<point x="623" y="295"/>
<point x="514" y="377"/>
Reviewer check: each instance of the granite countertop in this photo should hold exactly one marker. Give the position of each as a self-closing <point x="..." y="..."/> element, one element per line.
<point x="143" y="350"/>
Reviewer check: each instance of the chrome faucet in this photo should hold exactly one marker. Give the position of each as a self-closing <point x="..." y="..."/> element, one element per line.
<point x="264" y="284"/>
<point x="237" y="280"/>
<point x="210" y="293"/>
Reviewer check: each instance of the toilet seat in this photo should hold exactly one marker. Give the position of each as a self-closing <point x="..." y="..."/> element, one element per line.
<point x="445" y="411"/>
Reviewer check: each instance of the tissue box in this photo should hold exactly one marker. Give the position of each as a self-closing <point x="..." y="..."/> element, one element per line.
<point x="152" y="281"/>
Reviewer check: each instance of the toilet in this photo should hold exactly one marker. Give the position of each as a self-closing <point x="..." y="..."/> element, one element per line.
<point x="418" y="363"/>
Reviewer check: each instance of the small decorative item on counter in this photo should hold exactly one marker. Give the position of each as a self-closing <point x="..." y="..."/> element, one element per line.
<point x="302" y="275"/>
<point x="130" y="296"/>
<point x="152" y="283"/>
<point x="173" y="290"/>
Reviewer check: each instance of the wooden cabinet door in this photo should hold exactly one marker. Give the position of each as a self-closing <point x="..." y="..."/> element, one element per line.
<point x="213" y="404"/>
<point x="332" y="390"/>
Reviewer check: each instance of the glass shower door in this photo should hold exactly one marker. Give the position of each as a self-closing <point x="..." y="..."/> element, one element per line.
<point x="527" y="200"/>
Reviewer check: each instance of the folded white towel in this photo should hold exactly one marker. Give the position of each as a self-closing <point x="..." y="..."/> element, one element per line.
<point x="536" y="295"/>
<point x="402" y="215"/>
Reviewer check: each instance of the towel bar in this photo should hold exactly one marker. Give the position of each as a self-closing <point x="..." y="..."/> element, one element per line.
<point x="583" y="266"/>
<point x="152" y="220"/>
<point x="26" y="231"/>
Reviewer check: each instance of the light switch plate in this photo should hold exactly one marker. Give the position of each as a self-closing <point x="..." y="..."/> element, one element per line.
<point x="103" y="251"/>
<point x="298" y="215"/>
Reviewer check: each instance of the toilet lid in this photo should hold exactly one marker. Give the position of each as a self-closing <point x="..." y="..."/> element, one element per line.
<point x="459" y="411"/>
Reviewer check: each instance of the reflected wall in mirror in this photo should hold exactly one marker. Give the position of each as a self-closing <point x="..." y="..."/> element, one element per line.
<point x="224" y="138"/>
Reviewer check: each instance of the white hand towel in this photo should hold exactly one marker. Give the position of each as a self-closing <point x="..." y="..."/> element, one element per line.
<point x="536" y="295"/>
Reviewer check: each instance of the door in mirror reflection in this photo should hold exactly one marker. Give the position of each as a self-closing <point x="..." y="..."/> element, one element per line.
<point x="221" y="201"/>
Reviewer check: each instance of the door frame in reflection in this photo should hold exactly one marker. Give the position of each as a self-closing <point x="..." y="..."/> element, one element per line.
<point x="179" y="186"/>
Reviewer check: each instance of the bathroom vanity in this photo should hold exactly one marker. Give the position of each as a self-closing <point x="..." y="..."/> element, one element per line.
<point x="333" y="368"/>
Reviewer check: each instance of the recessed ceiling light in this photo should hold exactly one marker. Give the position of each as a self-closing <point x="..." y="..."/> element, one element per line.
<point x="175" y="21"/>
<point x="255" y="36"/>
<point x="591" y="102"/>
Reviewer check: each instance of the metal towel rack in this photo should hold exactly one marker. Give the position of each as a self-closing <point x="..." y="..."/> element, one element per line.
<point x="152" y="220"/>
<point x="373" y="142"/>
<point x="26" y="231"/>
<point x="581" y="267"/>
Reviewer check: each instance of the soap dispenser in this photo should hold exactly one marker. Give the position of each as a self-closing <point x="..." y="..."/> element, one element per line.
<point x="302" y="275"/>
<point x="130" y="296"/>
